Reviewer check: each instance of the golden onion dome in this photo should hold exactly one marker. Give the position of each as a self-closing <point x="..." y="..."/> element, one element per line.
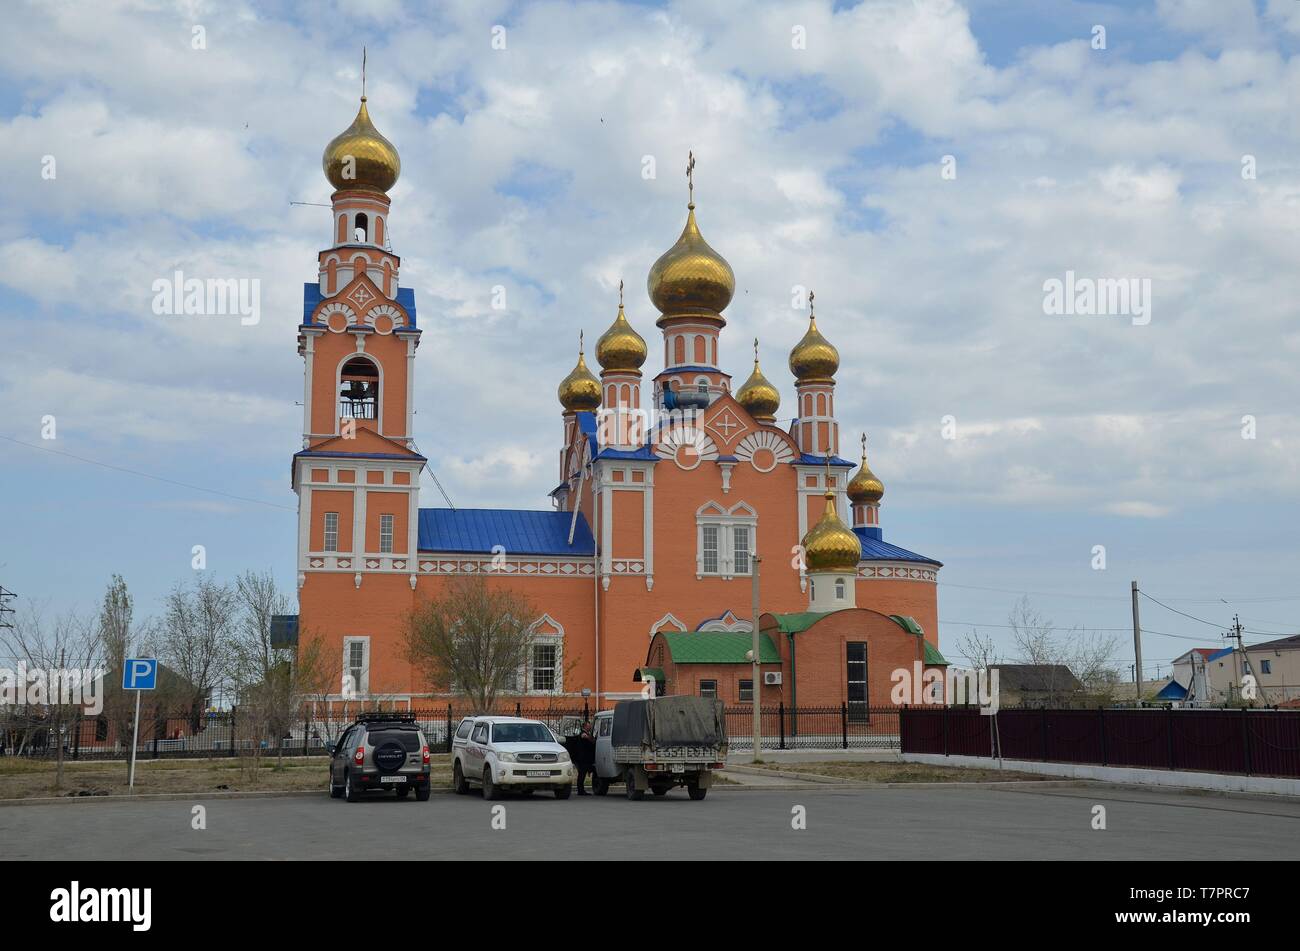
<point x="621" y="347"/>
<point x="814" y="359"/>
<point x="580" y="390"/>
<point x="690" y="277"/>
<point x="359" y="157"/>
<point x="830" y="545"/>
<point x="759" y="397"/>
<point x="864" y="486"/>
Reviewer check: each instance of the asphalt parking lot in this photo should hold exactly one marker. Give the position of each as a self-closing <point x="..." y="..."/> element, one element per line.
<point x="890" y="823"/>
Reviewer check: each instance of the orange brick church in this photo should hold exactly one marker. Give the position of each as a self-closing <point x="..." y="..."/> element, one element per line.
<point x="667" y="490"/>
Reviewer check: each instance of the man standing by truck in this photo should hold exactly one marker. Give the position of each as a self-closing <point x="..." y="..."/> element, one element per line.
<point x="582" y="750"/>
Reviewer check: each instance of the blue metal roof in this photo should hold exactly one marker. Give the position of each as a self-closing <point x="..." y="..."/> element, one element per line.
<point x="877" y="549"/>
<point x="518" y="531"/>
<point x="311" y="296"/>
<point x="1172" y="691"/>
<point x="808" y="459"/>
<point x="1220" y="653"/>
<point x="669" y="371"/>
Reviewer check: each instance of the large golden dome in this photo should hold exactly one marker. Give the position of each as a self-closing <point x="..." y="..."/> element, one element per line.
<point x="580" y="390"/>
<point x="621" y="347"/>
<point x="814" y="359"/>
<point x="758" y="396"/>
<point x="359" y="157"/>
<point x="830" y="545"/>
<point x="864" y="486"/>
<point x="690" y="277"/>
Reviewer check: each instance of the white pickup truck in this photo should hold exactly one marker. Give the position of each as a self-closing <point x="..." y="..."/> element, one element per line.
<point x="660" y="743"/>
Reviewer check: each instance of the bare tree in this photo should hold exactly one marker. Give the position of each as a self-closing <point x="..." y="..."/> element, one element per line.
<point x="475" y="639"/>
<point x="271" y="679"/>
<point x="979" y="650"/>
<point x="119" y="637"/>
<point x="195" y="638"/>
<point x="58" y="651"/>
<point x="1089" y="655"/>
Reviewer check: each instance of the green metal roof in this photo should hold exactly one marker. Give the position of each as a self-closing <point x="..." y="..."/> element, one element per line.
<point x="908" y="624"/>
<point x="796" y="623"/>
<point x="718" y="647"/>
<point x="643" y="672"/>
<point x="932" y="656"/>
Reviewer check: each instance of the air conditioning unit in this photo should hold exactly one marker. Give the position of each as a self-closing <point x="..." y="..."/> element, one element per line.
<point x="772" y="678"/>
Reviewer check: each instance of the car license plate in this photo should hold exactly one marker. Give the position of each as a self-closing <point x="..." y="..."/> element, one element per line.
<point x="679" y="767"/>
<point x="392" y="779"/>
<point x="539" y="772"/>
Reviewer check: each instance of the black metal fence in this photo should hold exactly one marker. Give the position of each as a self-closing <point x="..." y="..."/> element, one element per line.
<point x="230" y="733"/>
<point x="1258" y="742"/>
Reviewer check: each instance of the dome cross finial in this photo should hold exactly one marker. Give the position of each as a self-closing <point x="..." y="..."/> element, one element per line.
<point x="620" y="294"/>
<point x="690" y="178"/>
<point x="363" y="74"/>
<point x="864" y="447"/>
<point x="755" y="351"/>
<point x="812" y="311"/>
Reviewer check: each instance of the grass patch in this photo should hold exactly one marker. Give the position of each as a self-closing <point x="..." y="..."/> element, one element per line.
<point x="31" y="779"/>
<point x="885" y="772"/>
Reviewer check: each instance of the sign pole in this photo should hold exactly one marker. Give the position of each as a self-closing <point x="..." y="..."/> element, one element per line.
<point x="756" y="683"/>
<point x="135" y="738"/>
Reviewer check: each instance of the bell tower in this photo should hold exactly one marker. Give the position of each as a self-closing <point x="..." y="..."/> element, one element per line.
<point x="358" y="473"/>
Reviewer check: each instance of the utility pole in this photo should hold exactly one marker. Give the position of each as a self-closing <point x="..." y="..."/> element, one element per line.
<point x="5" y="597"/>
<point x="756" y="693"/>
<point x="1245" y="659"/>
<point x="1137" y="647"/>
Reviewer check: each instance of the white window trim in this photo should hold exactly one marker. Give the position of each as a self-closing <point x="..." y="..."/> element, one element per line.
<point x="391" y="523"/>
<point x="740" y="515"/>
<point x="325" y="534"/>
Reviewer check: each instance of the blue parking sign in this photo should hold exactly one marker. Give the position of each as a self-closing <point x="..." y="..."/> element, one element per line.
<point x="140" y="673"/>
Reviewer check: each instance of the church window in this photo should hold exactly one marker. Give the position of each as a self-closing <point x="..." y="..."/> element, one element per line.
<point x="386" y="533"/>
<point x="709" y="688"/>
<point x="839" y="589"/>
<point x="740" y="548"/>
<point x="855" y="654"/>
<point x="710" y="549"/>
<point x="356" y="665"/>
<point x="544" y="657"/>
<point x="361" y="227"/>
<point x="746" y="694"/>
<point x="331" y="531"/>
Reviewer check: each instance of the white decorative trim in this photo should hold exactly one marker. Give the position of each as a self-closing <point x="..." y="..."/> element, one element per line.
<point x="540" y="567"/>
<point x="680" y="437"/>
<point x="764" y="439"/>
<point x="665" y="621"/>
<point x="740" y="515"/>
<point x="728" y="622"/>
<point x="897" y="571"/>
<point x="336" y="307"/>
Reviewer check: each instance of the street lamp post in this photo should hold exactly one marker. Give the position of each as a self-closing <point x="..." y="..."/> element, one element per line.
<point x="756" y="691"/>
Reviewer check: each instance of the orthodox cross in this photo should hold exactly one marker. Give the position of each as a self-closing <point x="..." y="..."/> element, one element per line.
<point x="811" y="310"/>
<point x="690" y="176"/>
<point x="363" y="74"/>
<point x="620" y="295"/>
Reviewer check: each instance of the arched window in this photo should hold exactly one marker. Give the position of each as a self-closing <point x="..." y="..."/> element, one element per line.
<point x="361" y="227"/>
<point x="839" y="589"/>
<point x="359" y="389"/>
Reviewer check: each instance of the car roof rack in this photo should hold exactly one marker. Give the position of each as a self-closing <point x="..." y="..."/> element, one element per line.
<point x="376" y="716"/>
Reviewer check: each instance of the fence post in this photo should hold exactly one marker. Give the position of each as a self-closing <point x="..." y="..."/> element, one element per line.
<point x="449" y="727"/>
<point x="1101" y="717"/>
<point x="306" y="731"/>
<point x="519" y="711"/>
<point x="156" y="721"/>
<point x="232" y="731"/>
<point x="944" y="715"/>
<point x="1245" y="738"/>
<point x="1169" y="733"/>
<point x="76" y="739"/>
<point x="844" y="723"/>
<point x="780" y="712"/>
<point x="1043" y="721"/>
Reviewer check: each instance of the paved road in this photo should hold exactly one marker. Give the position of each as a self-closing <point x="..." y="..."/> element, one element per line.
<point x="897" y="823"/>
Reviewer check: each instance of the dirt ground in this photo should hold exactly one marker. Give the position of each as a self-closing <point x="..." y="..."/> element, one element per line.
<point x="30" y="779"/>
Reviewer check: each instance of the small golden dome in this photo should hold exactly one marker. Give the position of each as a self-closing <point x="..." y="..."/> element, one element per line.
<point x="621" y="347"/>
<point x="864" y="486"/>
<point x="690" y="277"/>
<point x="830" y="545"/>
<point x="580" y="390"/>
<point x="359" y="157"/>
<point x="758" y="396"/>
<point x="814" y="359"/>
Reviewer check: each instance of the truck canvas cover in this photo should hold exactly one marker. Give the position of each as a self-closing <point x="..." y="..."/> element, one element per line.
<point x="669" y="721"/>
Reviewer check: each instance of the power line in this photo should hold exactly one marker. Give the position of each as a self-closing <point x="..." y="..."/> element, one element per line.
<point x="148" y="475"/>
<point x="1183" y="613"/>
<point x="1114" y="597"/>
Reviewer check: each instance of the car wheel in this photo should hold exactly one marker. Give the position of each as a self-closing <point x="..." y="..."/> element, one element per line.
<point x="636" y="795"/>
<point x="458" y="781"/>
<point x="599" y="786"/>
<point x="696" y="791"/>
<point x="563" y="792"/>
<point x="422" y="793"/>
<point x="490" y="790"/>
<point x="527" y="791"/>
<point x="403" y="791"/>
<point x="660" y="790"/>
<point x="350" y="792"/>
<point x="336" y="792"/>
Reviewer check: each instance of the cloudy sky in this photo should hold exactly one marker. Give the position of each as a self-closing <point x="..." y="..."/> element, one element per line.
<point x="1171" y="155"/>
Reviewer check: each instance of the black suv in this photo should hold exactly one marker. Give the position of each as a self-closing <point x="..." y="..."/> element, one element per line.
<point x="380" y="752"/>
